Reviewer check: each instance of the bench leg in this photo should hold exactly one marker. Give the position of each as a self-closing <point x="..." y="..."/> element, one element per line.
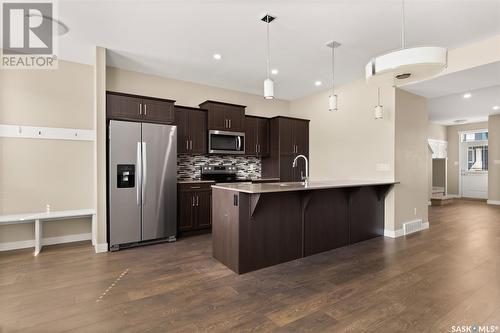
<point x="38" y="236"/>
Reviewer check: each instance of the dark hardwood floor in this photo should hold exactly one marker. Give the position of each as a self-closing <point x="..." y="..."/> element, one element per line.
<point x="426" y="282"/>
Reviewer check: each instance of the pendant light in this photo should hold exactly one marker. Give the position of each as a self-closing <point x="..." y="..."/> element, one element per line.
<point x="379" y="109"/>
<point x="268" y="82"/>
<point x="406" y="64"/>
<point x="333" y="98"/>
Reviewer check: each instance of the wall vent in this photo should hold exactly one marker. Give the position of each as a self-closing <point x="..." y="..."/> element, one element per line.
<point x="411" y="227"/>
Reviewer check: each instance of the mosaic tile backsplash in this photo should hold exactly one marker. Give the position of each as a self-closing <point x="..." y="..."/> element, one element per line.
<point x="188" y="166"/>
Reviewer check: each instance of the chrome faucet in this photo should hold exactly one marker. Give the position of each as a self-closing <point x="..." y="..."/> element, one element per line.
<point x="306" y="178"/>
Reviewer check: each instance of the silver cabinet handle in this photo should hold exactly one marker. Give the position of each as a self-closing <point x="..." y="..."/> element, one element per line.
<point x="191" y="144"/>
<point x="192" y="201"/>
<point x="187" y="144"/>
<point x="256" y="149"/>
<point x="138" y="184"/>
<point x="140" y="109"/>
<point x="145" y="109"/>
<point x="193" y="187"/>
<point x="229" y="123"/>
<point x="197" y="200"/>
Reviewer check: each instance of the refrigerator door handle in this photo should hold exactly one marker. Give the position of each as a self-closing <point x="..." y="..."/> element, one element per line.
<point x="144" y="172"/>
<point x="138" y="174"/>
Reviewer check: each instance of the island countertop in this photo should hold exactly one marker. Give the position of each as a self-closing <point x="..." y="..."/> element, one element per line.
<point x="299" y="186"/>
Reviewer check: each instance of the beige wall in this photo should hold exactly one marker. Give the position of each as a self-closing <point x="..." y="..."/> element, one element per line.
<point x="453" y="149"/>
<point x="494" y="159"/>
<point x="188" y="93"/>
<point x="34" y="173"/>
<point x="411" y="150"/>
<point x="437" y="132"/>
<point x="349" y="143"/>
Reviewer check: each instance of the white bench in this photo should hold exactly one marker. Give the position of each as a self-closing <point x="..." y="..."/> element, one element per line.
<point x="38" y="218"/>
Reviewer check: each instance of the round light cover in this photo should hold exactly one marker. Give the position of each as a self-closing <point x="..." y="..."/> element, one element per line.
<point x="406" y="65"/>
<point x="268" y="89"/>
<point x="378" y="112"/>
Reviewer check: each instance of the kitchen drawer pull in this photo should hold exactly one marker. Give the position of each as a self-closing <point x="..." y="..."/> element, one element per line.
<point x="195" y="187"/>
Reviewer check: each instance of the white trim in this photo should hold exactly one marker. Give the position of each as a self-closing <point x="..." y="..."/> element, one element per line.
<point x="100" y="248"/>
<point x="45" y="241"/>
<point x="400" y="232"/>
<point x="493" y="202"/>
<point x="53" y="133"/>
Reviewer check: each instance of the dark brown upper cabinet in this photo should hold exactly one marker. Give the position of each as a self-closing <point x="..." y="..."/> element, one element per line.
<point x="288" y="137"/>
<point x="256" y="136"/>
<point x="191" y="130"/>
<point x="224" y="116"/>
<point x="293" y="135"/>
<point x="139" y="108"/>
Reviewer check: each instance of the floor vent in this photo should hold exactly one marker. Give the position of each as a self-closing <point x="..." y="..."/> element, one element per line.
<point x="411" y="227"/>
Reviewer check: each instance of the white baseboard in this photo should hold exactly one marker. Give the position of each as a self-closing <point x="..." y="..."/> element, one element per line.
<point x="45" y="241"/>
<point x="399" y="232"/>
<point x="493" y="202"/>
<point x="100" y="248"/>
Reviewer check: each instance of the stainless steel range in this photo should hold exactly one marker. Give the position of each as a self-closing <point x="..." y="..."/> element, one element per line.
<point x="221" y="173"/>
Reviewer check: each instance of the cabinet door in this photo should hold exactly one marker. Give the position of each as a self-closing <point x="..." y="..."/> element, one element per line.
<point x="158" y="111"/>
<point x="287" y="144"/>
<point x="181" y="120"/>
<point x="235" y="118"/>
<point x="123" y="107"/>
<point x="217" y="118"/>
<point x="263" y="136"/>
<point x="203" y="209"/>
<point x="286" y="170"/>
<point x="251" y="136"/>
<point x="301" y="136"/>
<point x="198" y="132"/>
<point x="185" y="220"/>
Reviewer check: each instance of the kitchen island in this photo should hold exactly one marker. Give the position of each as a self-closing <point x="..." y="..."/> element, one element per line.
<point x="260" y="225"/>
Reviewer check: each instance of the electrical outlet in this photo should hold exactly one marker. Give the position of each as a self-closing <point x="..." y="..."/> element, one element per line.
<point x="415" y="211"/>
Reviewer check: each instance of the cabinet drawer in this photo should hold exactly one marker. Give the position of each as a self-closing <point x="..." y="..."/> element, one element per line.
<point x="195" y="186"/>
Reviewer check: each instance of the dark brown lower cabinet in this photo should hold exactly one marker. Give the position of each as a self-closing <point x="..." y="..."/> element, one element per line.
<point x="194" y="208"/>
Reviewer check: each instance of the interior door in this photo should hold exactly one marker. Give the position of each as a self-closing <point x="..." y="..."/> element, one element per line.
<point x="124" y="199"/>
<point x="159" y="154"/>
<point x="474" y="169"/>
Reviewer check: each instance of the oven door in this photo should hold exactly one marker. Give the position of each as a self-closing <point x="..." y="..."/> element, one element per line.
<point x="222" y="142"/>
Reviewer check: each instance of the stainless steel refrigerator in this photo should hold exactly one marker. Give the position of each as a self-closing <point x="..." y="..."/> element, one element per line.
<point x="142" y="183"/>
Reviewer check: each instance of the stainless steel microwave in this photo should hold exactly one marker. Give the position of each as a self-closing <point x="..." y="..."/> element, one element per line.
<point x="222" y="142"/>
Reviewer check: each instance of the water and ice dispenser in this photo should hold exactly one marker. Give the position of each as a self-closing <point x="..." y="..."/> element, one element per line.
<point x="125" y="175"/>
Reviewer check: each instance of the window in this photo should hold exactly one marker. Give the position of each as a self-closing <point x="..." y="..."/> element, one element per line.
<point x="478" y="136"/>
<point x="477" y="158"/>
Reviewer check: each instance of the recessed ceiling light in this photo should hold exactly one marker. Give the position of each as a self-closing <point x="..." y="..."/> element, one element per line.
<point x="467" y="95"/>
<point x="274" y="71"/>
<point x="217" y="56"/>
<point x="318" y="83"/>
<point x="496" y="107"/>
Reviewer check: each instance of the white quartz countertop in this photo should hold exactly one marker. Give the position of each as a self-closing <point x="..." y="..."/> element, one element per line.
<point x="298" y="186"/>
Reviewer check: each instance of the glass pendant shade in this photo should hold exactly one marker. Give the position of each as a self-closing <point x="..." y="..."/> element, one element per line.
<point x="268" y="89"/>
<point x="378" y="112"/>
<point x="332" y="103"/>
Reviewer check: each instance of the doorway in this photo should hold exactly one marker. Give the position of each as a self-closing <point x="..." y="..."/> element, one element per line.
<point x="473" y="156"/>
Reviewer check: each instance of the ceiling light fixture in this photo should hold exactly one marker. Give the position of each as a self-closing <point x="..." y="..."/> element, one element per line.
<point x="467" y="95"/>
<point x="274" y="71"/>
<point x="333" y="98"/>
<point x="318" y="83"/>
<point x="406" y="64"/>
<point x="379" y="109"/>
<point x="496" y="107"/>
<point x="217" y="56"/>
<point x="268" y="82"/>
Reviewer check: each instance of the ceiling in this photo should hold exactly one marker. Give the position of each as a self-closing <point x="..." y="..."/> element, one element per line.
<point x="446" y="103"/>
<point x="178" y="38"/>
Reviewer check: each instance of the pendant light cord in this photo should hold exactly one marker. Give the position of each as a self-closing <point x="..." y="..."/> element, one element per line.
<point x="268" y="49"/>
<point x="403" y="28"/>
<point x="333" y="68"/>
